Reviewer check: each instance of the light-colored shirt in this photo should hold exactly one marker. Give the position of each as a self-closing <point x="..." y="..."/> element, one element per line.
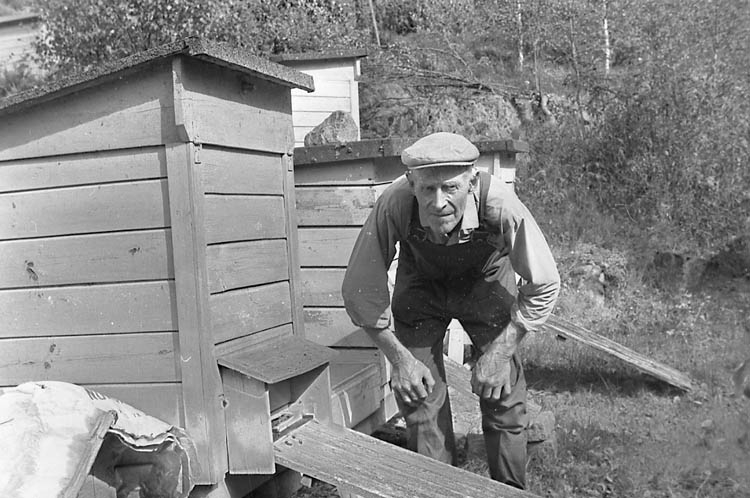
<point x="514" y="233"/>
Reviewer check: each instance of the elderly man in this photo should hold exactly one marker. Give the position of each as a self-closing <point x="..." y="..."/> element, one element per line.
<point x="463" y="235"/>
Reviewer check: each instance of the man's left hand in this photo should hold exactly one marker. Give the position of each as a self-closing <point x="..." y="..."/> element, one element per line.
<point x="491" y="376"/>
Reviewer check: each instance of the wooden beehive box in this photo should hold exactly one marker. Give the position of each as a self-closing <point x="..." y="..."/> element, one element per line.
<point x="336" y="187"/>
<point x="147" y="231"/>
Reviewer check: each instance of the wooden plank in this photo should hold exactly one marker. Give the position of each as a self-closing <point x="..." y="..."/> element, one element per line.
<point x="248" y="421"/>
<point x="244" y="264"/>
<point x="145" y="357"/>
<point x="163" y="401"/>
<point x="360" y="356"/>
<point x="321" y="71"/>
<point x="328" y="88"/>
<point x="320" y="206"/>
<point x="89" y="309"/>
<point x="348" y="168"/>
<point x="644" y="364"/>
<point x="318" y="103"/>
<point x="201" y="383"/>
<point x="298" y="317"/>
<point x="277" y="360"/>
<point x="326" y="246"/>
<point x="242" y="312"/>
<point x="82" y="169"/>
<point x="344" y="457"/>
<point x="223" y="108"/>
<point x="228" y="171"/>
<point x="234" y="217"/>
<point x="254" y="339"/>
<point x="358" y="396"/>
<point x="115" y="114"/>
<point x="77" y="210"/>
<point x="322" y="286"/>
<point x="100" y="258"/>
<point x="333" y="327"/>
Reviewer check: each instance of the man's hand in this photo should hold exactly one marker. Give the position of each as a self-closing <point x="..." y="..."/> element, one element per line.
<point x="411" y="381"/>
<point x="490" y="378"/>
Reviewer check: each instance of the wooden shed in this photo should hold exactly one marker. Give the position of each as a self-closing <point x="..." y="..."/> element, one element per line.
<point x="336" y="75"/>
<point x="147" y="231"/>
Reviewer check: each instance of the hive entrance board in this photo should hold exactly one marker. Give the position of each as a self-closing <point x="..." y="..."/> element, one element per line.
<point x="365" y="466"/>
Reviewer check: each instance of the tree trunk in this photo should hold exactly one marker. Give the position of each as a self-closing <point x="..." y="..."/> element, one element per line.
<point x="519" y="26"/>
<point x="374" y="22"/>
<point x="607" y="47"/>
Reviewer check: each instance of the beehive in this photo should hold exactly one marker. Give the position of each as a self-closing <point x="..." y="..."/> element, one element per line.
<point x="148" y="231"/>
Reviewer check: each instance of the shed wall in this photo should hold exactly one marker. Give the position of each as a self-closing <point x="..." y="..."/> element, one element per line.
<point x="87" y="282"/>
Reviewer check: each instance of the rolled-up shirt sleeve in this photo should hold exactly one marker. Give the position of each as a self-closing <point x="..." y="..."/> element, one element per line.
<point x="531" y="259"/>
<point x="365" y="286"/>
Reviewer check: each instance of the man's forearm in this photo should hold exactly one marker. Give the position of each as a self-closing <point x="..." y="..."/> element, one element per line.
<point x="386" y="340"/>
<point x="507" y="342"/>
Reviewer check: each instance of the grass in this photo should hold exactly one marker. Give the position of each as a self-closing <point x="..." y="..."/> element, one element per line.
<point x="621" y="433"/>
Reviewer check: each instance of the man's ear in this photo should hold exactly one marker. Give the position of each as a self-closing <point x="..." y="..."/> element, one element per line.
<point x="474" y="181"/>
<point x="410" y="179"/>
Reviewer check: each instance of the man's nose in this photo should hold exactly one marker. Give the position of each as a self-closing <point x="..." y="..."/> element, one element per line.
<point x="440" y="199"/>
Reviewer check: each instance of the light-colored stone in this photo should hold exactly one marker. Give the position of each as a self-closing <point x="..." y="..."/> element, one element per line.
<point x="337" y="128"/>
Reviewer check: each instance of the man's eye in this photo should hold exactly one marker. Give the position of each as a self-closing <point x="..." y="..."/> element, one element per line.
<point x="451" y="189"/>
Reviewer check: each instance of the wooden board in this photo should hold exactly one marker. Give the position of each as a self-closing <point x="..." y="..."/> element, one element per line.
<point x="88" y="309"/>
<point x="228" y="171"/>
<point x="99" y="258"/>
<point x="145" y="357"/>
<point x="321" y="103"/>
<point x="644" y="364"/>
<point x="277" y="360"/>
<point x="222" y="107"/>
<point x="254" y="339"/>
<point x="326" y="246"/>
<point x="244" y="264"/>
<point x="242" y="312"/>
<point x="348" y="168"/>
<point x="335" y="206"/>
<point x="358" y="463"/>
<point x="358" y="396"/>
<point x="204" y="420"/>
<point x="333" y="327"/>
<point x="322" y="286"/>
<point x="83" y="169"/>
<point x="89" y="209"/>
<point x="230" y="218"/>
<point x="248" y="421"/>
<point x="119" y="113"/>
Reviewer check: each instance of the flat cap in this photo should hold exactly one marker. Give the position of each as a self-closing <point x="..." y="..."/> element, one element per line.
<point x="440" y="149"/>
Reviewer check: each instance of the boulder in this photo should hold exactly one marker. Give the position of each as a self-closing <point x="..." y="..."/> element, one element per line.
<point x="337" y="128"/>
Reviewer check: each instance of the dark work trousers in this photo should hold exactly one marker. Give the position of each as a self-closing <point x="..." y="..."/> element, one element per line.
<point x="474" y="284"/>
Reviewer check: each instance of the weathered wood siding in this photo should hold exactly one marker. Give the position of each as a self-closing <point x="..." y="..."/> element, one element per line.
<point x="333" y="201"/>
<point x="247" y="252"/>
<point x="87" y="289"/>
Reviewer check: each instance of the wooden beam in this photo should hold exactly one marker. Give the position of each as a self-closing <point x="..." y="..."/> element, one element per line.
<point x="663" y="372"/>
<point x="360" y="464"/>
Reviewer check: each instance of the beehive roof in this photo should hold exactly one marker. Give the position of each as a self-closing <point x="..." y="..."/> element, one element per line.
<point x="217" y="53"/>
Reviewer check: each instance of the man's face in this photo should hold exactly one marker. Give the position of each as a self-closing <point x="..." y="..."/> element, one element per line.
<point x="441" y="193"/>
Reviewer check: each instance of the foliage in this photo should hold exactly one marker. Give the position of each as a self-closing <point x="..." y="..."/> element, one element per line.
<point x="82" y="33"/>
<point x="17" y="78"/>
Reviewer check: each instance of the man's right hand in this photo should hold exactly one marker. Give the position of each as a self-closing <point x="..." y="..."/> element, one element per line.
<point x="411" y="381"/>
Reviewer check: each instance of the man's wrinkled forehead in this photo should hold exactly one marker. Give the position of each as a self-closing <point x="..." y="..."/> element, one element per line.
<point x="444" y="174"/>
